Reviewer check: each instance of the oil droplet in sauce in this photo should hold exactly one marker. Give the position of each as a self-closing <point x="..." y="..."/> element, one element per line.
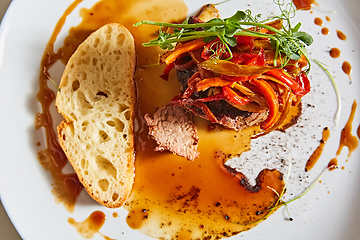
<point x="66" y="187"/>
<point x="318" y="21"/>
<point x="347" y="139"/>
<point x="90" y="226"/>
<point x="341" y="35"/>
<point x="335" y="52"/>
<point x="304" y="4"/>
<point x="328" y="18"/>
<point x="325" y="31"/>
<point x="318" y="151"/>
<point x="346" y="67"/>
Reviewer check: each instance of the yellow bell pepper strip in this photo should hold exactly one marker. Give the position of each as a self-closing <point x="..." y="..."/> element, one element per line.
<point x="166" y="72"/>
<point x="233" y="97"/>
<point x="271" y="100"/>
<point x="187" y="47"/>
<point x="212" y="82"/>
<point x="232" y="69"/>
<point x="296" y="88"/>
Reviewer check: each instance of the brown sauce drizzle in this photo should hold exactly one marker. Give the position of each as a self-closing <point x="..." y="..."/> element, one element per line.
<point x="346" y="67"/>
<point x="304" y="4"/>
<point x="90" y="226"/>
<point x="318" y="151"/>
<point x="333" y="164"/>
<point x="325" y="31"/>
<point x="347" y="139"/>
<point x="335" y="52"/>
<point x="358" y="131"/>
<point x="341" y="35"/>
<point x="66" y="187"/>
<point x="318" y="21"/>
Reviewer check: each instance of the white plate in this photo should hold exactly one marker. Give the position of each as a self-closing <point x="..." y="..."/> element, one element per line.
<point x="329" y="211"/>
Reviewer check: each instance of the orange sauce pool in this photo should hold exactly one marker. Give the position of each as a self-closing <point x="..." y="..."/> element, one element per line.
<point x="335" y="52"/>
<point x="318" y="21"/>
<point x="347" y="69"/>
<point x="172" y="198"/>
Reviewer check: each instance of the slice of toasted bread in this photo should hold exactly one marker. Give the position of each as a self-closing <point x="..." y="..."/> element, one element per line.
<point x="96" y="99"/>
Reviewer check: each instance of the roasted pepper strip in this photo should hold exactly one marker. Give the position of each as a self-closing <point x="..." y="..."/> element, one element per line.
<point x="187" y="47"/>
<point x="271" y="100"/>
<point x="212" y="82"/>
<point x="279" y="74"/>
<point x="233" y="97"/>
<point x="233" y="69"/>
<point x="304" y="81"/>
<point x="166" y="72"/>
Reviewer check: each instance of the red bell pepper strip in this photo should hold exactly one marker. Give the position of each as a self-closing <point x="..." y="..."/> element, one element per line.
<point x="166" y="72"/>
<point x="187" y="47"/>
<point x="212" y="82"/>
<point x="304" y="81"/>
<point x="259" y="60"/>
<point x="279" y="74"/>
<point x="271" y="100"/>
<point x="242" y="58"/>
<point x="216" y="97"/>
<point x="215" y="47"/>
<point x="195" y="78"/>
<point x="233" y="97"/>
<point x="245" y="40"/>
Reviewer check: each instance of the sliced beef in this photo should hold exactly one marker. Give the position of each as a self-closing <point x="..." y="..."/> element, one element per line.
<point x="173" y="129"/>
<point x="226" y="114"/>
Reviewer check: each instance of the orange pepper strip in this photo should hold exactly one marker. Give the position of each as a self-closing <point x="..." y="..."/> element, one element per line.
<point x="187" y="47"/>
<point x="271" y="100"/>
<point x="233" y="97"/>
<point x="212" y="82"/>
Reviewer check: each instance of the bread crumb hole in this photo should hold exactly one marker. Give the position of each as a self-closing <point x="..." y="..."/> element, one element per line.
<point x="106" y="166"/>
<point x="75" y="85"/>
<point x="82" y="163"/>
<point x="83" y="76"/>
<point x="73" y="116"/>
<point x="120" y="39"/>
<point x="88" y="147"/>
<point x="96" y="42"/>
<point x="104" y="184"/>
<point x="94" y="61"/>
<point x="119" y="125"/>
<point x="115" y="196"/>
<point x="86" y="173"/>
<point x="109" y="69"/>
<point x="85" y="123"/>
<point x="110" y="123"/>
<point x="106" y="47"/>
<point x="104" y="137"/>
<point x="127" y="115"/>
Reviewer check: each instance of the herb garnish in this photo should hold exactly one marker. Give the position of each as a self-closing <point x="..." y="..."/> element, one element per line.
<point x="289" y="43"/>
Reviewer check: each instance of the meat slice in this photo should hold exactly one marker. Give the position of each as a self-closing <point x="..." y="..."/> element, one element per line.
<point x="173" y="129"/>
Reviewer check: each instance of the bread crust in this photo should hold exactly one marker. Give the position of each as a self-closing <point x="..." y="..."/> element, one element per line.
<point x="97" y="101"/>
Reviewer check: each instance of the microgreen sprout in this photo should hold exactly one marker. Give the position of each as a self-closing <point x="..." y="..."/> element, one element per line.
<point x="51" y="80"/>
<point x="324" y="67"/>
<point x="286" y="41"/>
